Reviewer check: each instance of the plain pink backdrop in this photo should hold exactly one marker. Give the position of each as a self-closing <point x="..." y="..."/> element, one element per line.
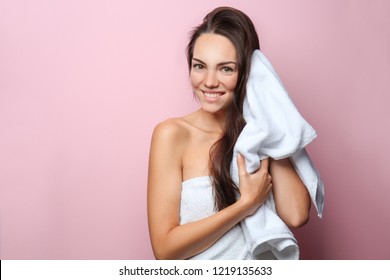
<point x="83" y="83"/>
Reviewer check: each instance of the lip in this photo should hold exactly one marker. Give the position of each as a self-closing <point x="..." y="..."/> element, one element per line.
<point x="212" y="96"/>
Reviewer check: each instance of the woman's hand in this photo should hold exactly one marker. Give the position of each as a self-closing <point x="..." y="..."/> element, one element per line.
<point x="255" y="187"/>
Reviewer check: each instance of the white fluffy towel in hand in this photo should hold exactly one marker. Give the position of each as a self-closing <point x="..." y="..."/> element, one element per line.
<point x="274" y="128"/>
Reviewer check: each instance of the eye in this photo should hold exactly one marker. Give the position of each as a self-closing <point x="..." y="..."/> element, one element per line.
<point x="227" y="69"/>
<point x="197" y="66"/>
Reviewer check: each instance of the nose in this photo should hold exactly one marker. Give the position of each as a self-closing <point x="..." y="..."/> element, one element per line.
<point x="211" y="79"/>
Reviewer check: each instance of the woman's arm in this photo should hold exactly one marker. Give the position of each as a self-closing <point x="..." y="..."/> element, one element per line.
<point x="292" y="199"/>
<point x="170" y="240"/>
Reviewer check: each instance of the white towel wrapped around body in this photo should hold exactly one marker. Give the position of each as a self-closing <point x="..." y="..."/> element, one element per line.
<point x="274" y="128"/>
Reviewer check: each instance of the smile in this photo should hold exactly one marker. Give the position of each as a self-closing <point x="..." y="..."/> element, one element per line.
<point x="213" y="95"/>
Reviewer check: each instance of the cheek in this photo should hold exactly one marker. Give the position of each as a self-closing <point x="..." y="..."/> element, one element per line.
<point x="195" y="79"/>
<point x="231" y="83"/>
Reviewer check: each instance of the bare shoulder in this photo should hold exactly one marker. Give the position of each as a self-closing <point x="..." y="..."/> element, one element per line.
<point x="172" y="130"/>
<point x="171" y="138"/>
<point x="169" y="141"/>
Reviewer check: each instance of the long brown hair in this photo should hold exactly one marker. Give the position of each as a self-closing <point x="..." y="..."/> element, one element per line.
<point x="239" y="29"/>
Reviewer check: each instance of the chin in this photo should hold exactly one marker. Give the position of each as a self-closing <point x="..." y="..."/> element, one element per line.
<point x="213" y="109"/>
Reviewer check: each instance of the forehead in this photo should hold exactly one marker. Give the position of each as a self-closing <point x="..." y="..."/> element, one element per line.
<point x="211" y="48"/>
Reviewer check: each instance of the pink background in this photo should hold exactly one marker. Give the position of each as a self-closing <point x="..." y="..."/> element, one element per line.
<point x="83" y="83"/>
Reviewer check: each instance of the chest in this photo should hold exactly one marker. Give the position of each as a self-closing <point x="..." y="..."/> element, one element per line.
<point x="195" y="160"/>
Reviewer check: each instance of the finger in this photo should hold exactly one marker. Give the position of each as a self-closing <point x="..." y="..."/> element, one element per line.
<point x="269" y="188"/>
<point x="264" y="164"/>
<point x="241" y="165"/>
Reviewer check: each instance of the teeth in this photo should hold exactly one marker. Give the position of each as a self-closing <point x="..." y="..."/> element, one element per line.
<point x="212" y="95"/>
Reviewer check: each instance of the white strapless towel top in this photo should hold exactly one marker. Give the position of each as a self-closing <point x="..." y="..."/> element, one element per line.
<point x="197" y="202"/>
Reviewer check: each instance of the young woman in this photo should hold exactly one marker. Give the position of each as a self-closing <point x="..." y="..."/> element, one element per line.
<point x="193" y="205"/>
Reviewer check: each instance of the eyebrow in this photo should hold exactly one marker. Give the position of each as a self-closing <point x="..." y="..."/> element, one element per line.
<point x="219" y="64"/>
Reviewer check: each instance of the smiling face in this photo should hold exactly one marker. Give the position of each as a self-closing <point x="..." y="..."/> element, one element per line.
<point x="214" y="72"/>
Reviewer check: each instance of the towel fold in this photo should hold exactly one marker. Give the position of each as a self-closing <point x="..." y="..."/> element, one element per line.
<point x="274" y="128"/>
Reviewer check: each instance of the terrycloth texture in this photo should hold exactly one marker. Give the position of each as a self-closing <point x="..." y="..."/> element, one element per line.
<point x="274" y="129"/>
<point x="197" y="202"/>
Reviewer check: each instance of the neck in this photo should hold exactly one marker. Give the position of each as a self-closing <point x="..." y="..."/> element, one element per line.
<point x="210" y="122"/>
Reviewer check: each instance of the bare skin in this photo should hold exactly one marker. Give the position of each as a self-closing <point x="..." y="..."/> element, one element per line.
<point x="180" y="151"/>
